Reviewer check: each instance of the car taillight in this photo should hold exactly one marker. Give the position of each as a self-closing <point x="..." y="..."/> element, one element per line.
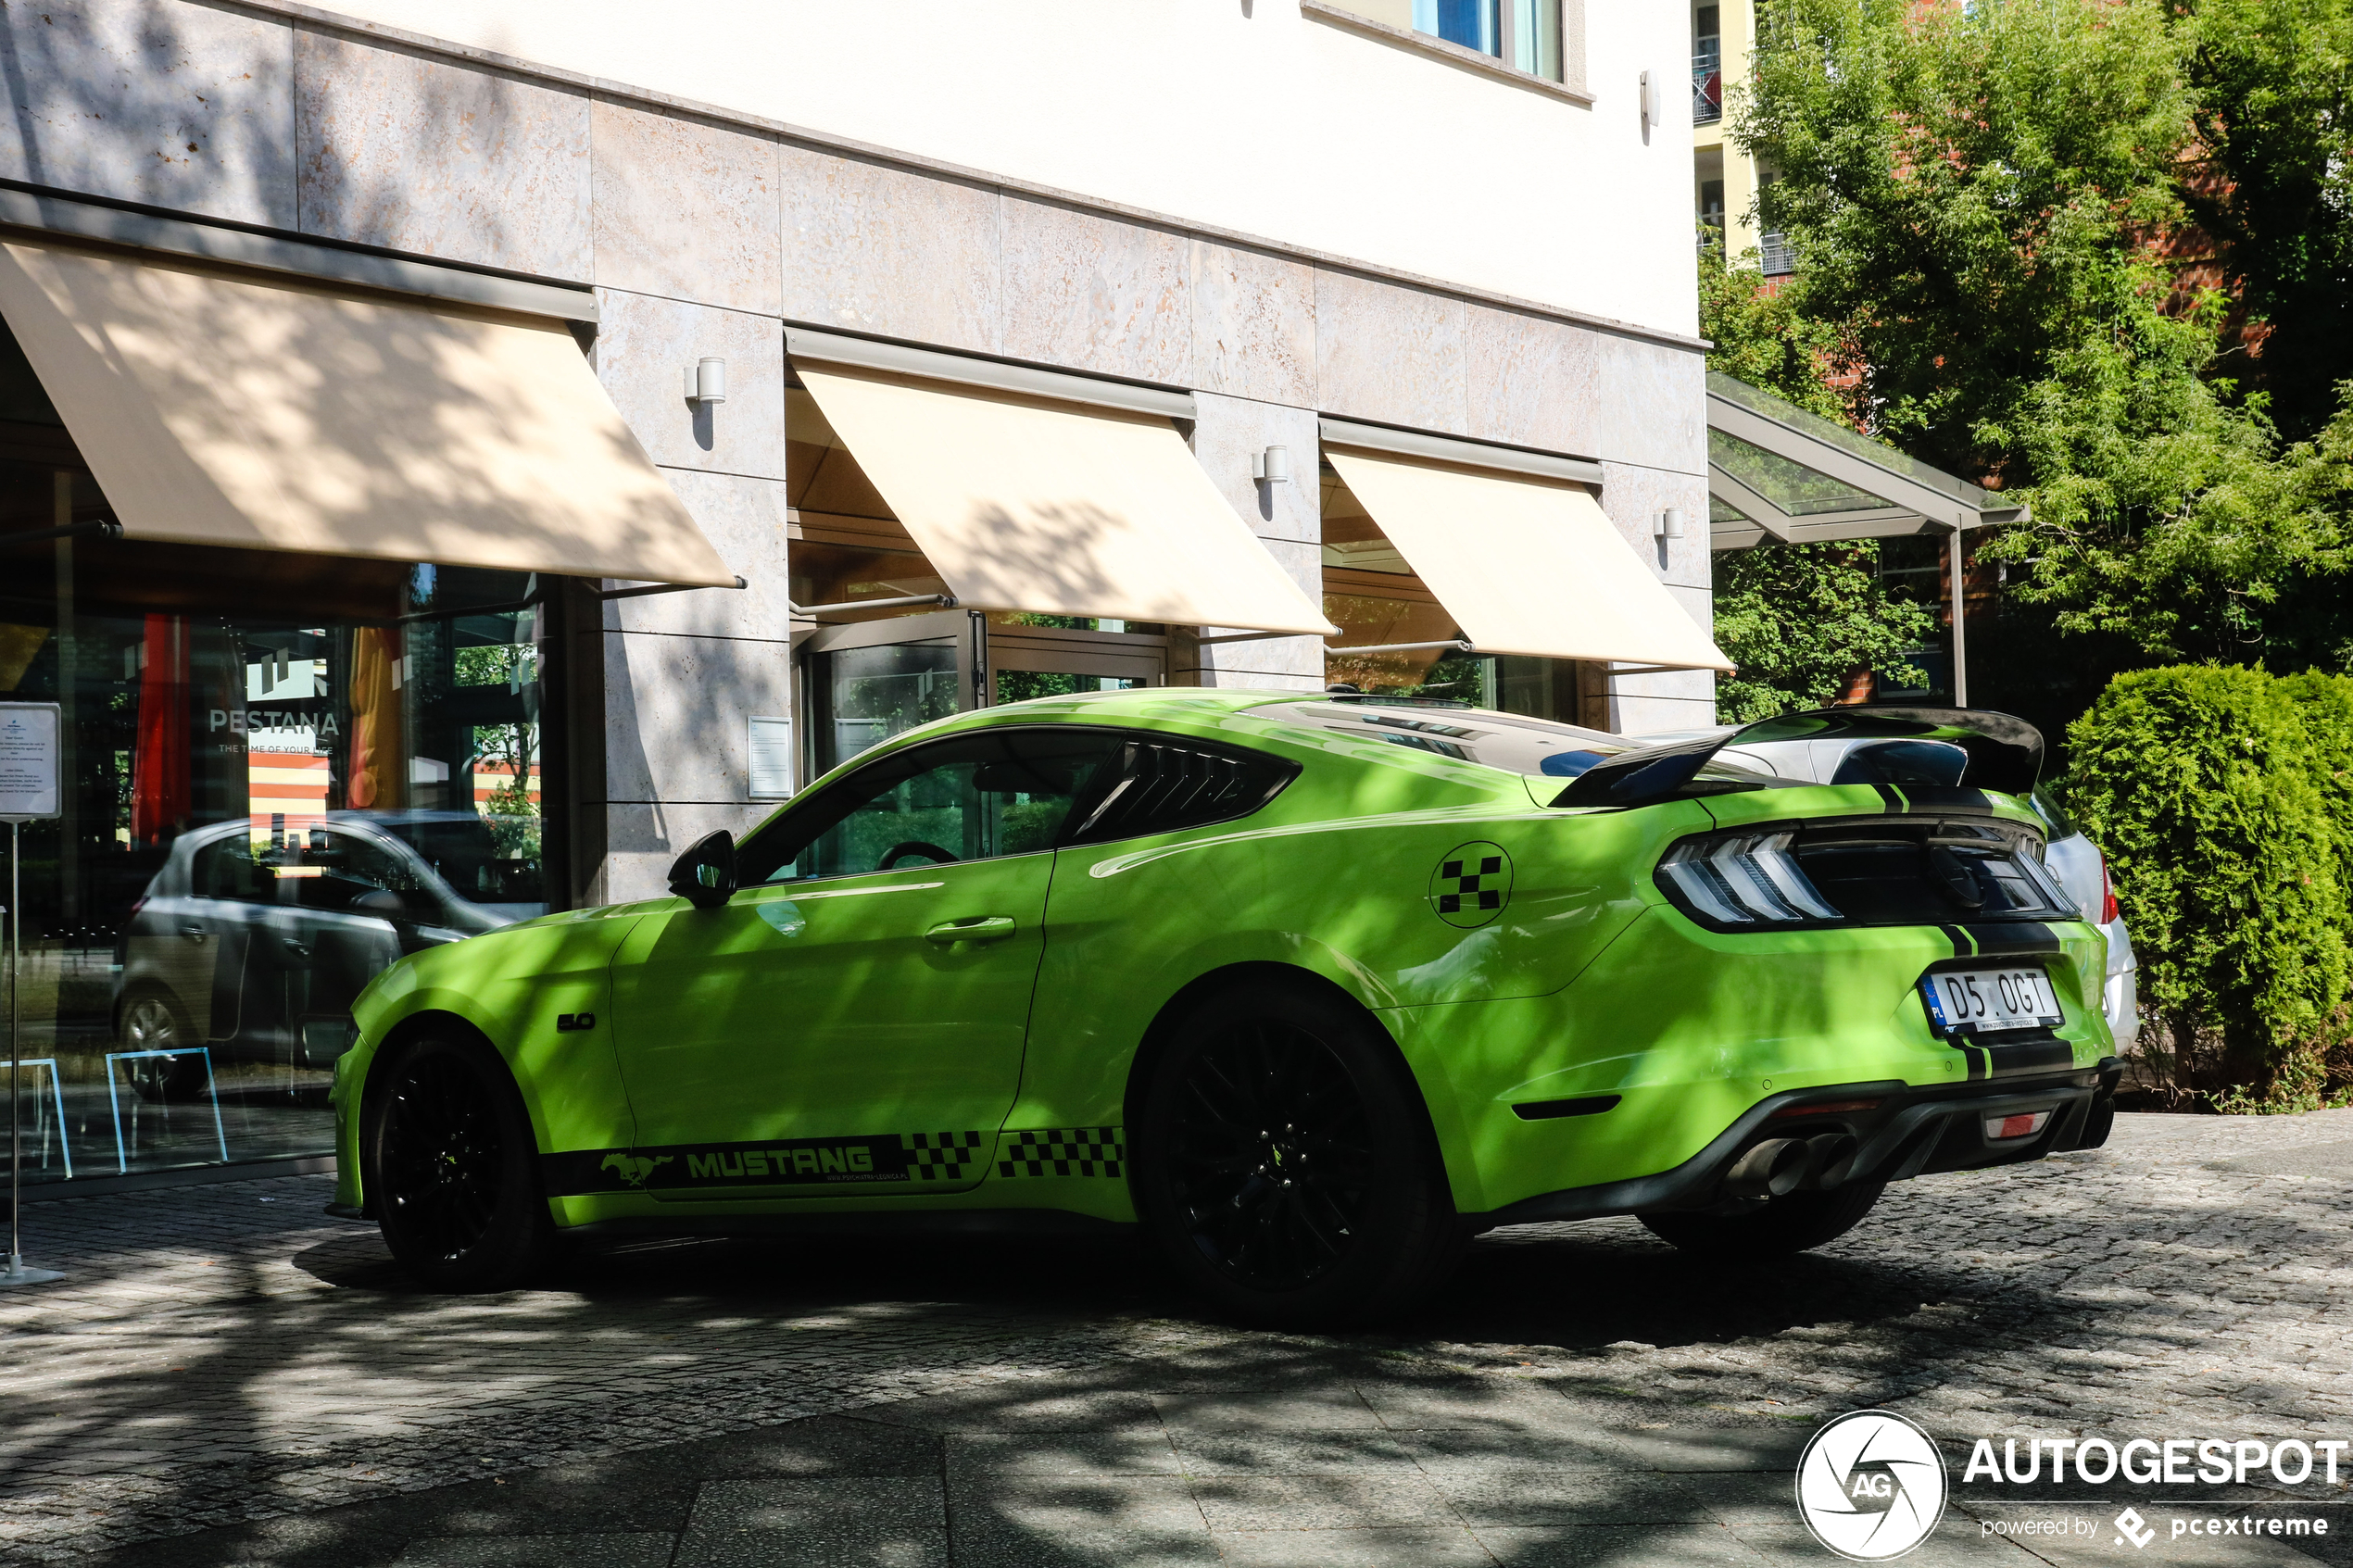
<point x="1745" y="879"/>
<point x="2107" y="895"/>
<point x="2022" y="1127"/>
<point x="1877" y="870"/>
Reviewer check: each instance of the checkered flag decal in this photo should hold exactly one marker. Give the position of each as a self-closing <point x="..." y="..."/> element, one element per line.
<point x="939" y="1157"/>
<point x="1472" y="884"/>
<point x="1062" y="1151"/>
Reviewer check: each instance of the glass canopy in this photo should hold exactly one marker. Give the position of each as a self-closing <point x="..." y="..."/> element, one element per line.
<point x="1779" y="474"/>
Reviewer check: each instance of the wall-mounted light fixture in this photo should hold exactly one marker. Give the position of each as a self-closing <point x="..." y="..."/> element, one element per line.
<point x="1649" y="91"/>
<point x="1272" y="465"/>
<point x="707" y="380"/>
<point x="1668" y="524"/>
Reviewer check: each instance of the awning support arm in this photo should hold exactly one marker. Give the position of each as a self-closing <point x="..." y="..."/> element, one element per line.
<point x="1458" y="643"/>
<point x="104" y="527"/>
<point x="1247" y="637"/>
<point x="609" y="595"/>
<point x="807" y="612"/>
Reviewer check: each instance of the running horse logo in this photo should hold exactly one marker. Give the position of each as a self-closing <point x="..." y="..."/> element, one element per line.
<point x="633" y="1168"/>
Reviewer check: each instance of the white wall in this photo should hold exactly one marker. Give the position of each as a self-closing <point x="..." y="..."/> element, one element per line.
<point x="1241" y="114"/>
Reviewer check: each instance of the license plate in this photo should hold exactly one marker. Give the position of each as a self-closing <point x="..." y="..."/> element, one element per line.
<point x="1983" y="1000"/>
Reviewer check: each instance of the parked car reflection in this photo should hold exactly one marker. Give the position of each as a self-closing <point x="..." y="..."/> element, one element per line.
<point x="256" y="948"/>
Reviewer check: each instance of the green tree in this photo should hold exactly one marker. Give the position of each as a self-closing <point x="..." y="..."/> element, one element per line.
<point x="1798" y="619"/>
<point x="2202" y="786"/>
<point x="2272" y="183"/>
<point x="1972" y="193"/>
<point x="1760" y="337"/>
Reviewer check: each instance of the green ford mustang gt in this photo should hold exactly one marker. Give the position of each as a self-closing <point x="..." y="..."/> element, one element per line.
<point x="1311" y="988"/>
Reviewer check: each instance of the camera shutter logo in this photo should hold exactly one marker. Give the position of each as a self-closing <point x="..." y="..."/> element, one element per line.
<point x="1871" y="1486"/>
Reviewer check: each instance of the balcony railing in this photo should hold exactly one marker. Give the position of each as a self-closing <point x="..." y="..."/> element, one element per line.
<point x="1775" y="255"/>
<point x="1708" y="87"/>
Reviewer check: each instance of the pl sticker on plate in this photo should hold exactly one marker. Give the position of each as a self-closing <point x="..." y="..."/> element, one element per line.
<point x="1472" y="884"/>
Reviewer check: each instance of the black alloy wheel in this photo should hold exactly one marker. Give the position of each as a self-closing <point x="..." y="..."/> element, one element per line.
<point x="150" y="1021"/>
<point x="1285" y="1163"/>
<point x="1272" y="1157"/>
<point x="451" y="1167"/>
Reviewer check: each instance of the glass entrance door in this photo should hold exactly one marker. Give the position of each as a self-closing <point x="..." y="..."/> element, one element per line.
<point x="1028" y="660"/>
<point x="865" y="683"/>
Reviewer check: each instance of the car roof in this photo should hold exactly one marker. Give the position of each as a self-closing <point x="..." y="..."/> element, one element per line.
<point x="1509" y="743"/>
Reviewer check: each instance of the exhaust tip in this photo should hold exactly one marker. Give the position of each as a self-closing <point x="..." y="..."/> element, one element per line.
<point x="1772" y="1169"/>
<point x="1830" y="1161"/>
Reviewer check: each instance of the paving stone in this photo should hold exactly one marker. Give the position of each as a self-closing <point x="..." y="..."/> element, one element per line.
<point x="1294" y="1453"/>
<point x="1679" y="1545"/>
<point x="1359" y="1500"/>
<point x="1062" y="1453"/>
<point x="224" y="1380"/>
<point x="1038" y="1521"/>
<point x="540" y="1551"/>
<point x="1286" y="1410"/>
<point x="1353" y="1548"/>
<point x="899" y="1521"/>
<point x="1535" y="1497"/>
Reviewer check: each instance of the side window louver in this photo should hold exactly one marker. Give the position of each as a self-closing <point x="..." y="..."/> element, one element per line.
<point x="1166" y="788"/>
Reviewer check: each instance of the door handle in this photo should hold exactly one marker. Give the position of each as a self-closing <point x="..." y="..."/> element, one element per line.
<point x="193" y="932"/>
<point x="986" y="928"/>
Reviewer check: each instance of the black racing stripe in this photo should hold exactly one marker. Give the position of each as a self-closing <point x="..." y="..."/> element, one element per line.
<point x="1962" y="946"/>
<point x="1951" y="799"/>
<point x="862" y="1160"/>
<point x="2014" y="939"/>
<point x="2020" y="1058"/>
<point x="1888" y="797"/>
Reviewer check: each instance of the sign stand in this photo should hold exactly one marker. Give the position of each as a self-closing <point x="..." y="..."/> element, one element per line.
<point x="28" y="791"/>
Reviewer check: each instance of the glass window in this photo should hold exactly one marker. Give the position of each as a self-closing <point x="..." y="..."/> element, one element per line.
<point x="1471" y="23"/>
<point x="1523" y="34"/>
<point x="970" y="798"/>
<point x="282" y="771"/>
<point x="863" y="696"/>
<point x="1020" y="685"/>
<point x="227" y="870"/>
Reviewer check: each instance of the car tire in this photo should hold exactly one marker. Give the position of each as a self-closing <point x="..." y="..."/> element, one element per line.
<point x="1283" y="1163"/>
<point x="451" y="1167"/>
<point x="151" y="1021"/>
<point x="1787" y="1225"/>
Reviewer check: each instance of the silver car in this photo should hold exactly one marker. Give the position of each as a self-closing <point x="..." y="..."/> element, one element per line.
<point x="2072" y="858"/>
<point x="255" y="948"/>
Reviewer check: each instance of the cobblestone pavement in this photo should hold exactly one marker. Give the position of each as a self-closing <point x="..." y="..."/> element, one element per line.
<point x="228" y="1377"/>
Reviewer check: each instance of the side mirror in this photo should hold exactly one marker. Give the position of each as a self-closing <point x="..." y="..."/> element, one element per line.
<point x="705" y="874"/>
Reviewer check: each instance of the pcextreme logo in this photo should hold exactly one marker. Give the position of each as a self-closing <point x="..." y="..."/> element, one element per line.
<point x="1871" y="1486"/>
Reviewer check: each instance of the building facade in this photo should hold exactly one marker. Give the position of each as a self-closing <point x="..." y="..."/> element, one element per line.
<point x="1725" y="180"/>
<point x="394" y="399"/>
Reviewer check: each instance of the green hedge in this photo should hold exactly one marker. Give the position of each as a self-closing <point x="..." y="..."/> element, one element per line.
<point x="2223" y="800"/>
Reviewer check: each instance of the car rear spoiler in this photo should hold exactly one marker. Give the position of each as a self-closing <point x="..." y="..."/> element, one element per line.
<point x="2005" y="753"/>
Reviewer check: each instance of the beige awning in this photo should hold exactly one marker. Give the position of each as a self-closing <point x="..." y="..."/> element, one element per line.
<point x="1525" y="565"/>
<point x="1026" y="503"/>
<point x="260" y="411"/>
